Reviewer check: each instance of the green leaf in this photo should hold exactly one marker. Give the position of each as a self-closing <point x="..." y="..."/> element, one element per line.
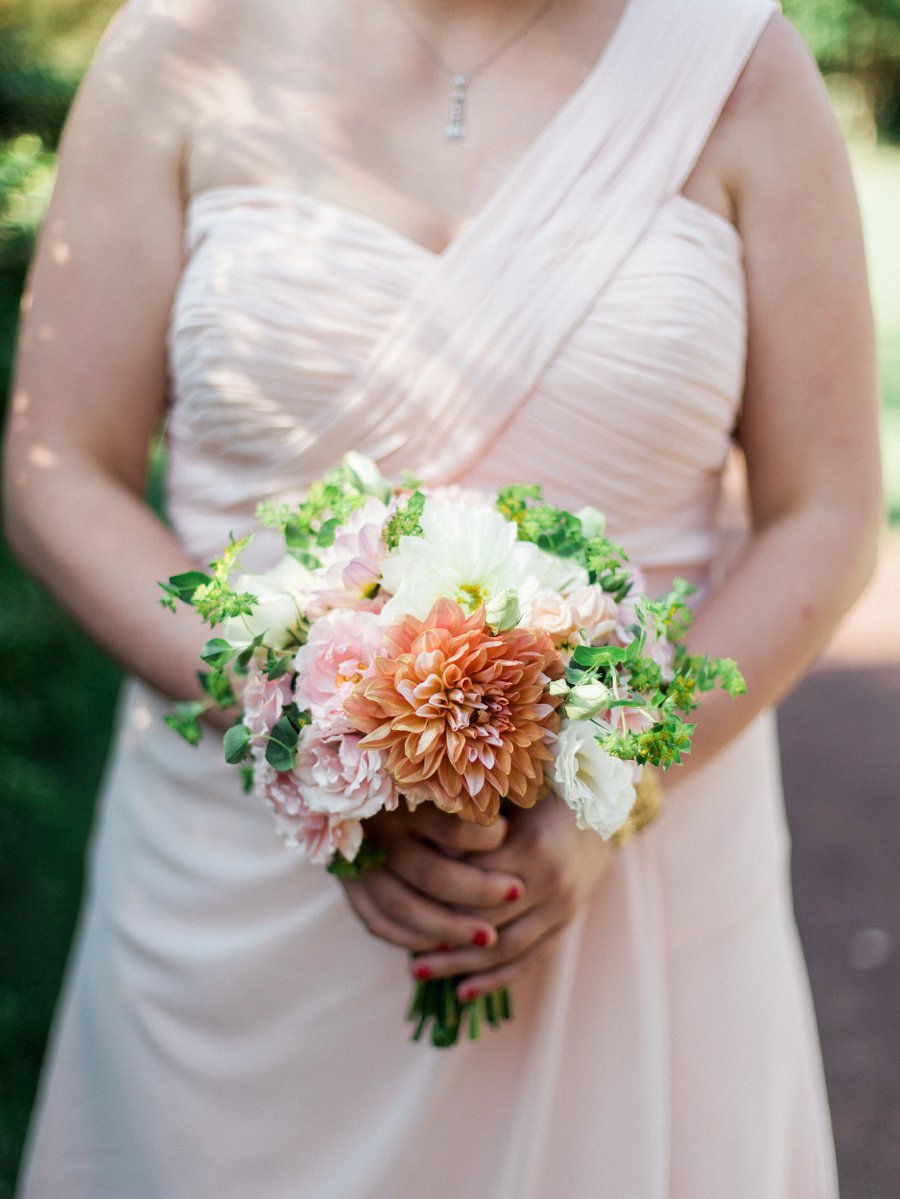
<point x="369" y="855"/>
<point x="184" y="719"/>
<point x="184" y="586"/>
<point x="598" y="655"/>
<point x="242" y="662"/>
<point x="217" y="686"/>
<point x="325" y="536"/>
<point x="730" y="677"/>
<point x="282" y="747"/>
<point x="236" y="744"/>
<point x="277" y="665"/>
<point x="218" y="652"/>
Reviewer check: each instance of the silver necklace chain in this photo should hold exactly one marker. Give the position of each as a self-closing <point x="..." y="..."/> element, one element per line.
<point x="455" y="129"/>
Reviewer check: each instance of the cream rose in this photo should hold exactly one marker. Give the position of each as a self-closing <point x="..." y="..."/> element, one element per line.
<point x="596" y="786"/>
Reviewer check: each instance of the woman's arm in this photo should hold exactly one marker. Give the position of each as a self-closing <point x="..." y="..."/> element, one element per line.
<point x="809" y="431"/>
<point x="91" y="379"/>
<point x="809" y="423"/>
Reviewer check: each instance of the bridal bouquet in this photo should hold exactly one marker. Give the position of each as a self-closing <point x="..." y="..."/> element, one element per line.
<point x="441" y="646"/>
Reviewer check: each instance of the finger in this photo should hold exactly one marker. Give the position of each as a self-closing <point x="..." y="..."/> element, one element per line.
<point x="453" y="833"/>
<point x="379" y="924"/>
<point x="514" y="942"/>
<point x="492" y="980"/>
<point x="428" y="922"/>
<point x="452" y="880"/>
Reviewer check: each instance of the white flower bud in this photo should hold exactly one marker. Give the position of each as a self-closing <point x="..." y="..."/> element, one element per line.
<point x="367" y="474"/>
<point x="502" y="611"/>
<point x="593" y="522"/>
<point x="587" y="700"/>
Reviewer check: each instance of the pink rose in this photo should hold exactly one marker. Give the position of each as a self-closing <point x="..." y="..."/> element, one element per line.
<point x="319" y="805"/>
<point x="337" y="777"/>
<point x="263" y="700"/>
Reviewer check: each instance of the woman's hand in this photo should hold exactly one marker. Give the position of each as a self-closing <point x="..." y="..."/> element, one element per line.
<point x="559" y="865"/>
<point x="488" y="914"/>
<point x="435" y="890"/>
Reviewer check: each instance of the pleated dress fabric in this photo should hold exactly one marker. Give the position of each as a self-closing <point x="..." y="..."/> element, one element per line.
<point x="228" y="1029"/>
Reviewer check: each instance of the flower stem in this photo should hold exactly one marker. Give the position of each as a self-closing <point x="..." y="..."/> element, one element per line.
<point x="435" y="1002"/>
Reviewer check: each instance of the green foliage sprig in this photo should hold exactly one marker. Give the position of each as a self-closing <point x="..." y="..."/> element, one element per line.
<point x="406" y="521"/>
<point x="636" y="681"/>
<point x="562" y="533"/>
<point x="312" y="524"/>
<point x="552" y="529"/>
<point x="212" y="596"/>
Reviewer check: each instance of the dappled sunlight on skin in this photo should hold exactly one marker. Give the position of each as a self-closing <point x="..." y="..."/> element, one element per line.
<point x="312" y="123"/>
<point x="42" y="458"/>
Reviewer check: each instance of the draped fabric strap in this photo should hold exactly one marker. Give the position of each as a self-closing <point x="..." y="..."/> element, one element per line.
<point x="507" y="293"/>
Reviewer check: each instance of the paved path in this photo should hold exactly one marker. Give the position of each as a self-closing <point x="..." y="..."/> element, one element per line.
<point x="841" y="754"/>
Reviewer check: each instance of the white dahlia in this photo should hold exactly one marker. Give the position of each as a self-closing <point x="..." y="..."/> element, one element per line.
<point x="469" y="554"/>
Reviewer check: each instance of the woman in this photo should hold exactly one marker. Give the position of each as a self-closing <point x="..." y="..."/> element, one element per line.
<point x="628" y="232"/>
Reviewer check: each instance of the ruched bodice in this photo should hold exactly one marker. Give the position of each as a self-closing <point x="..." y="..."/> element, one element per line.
<point x="283" y="297"/>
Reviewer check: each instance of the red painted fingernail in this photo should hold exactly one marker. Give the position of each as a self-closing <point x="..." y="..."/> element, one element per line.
<point x="468" y="994"/>
<point x="422" y="972"/>
<point x="481" y="938"/>
<point x="513" y="894"/>
<point x="443" y="947"/>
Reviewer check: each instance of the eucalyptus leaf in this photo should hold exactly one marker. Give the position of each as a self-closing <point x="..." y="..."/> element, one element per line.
<point x="236" y="744"/>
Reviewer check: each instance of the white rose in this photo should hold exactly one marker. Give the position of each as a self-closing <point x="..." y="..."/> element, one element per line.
<point x="597" y="787"/>
<point x="276" y="613"/>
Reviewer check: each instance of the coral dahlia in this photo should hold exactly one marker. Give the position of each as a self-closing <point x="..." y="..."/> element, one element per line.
<point x="462" y="715"/>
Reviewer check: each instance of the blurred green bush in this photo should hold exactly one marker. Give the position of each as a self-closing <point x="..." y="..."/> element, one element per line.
<point x="48" y="777"/>
<point x="861" y="38"/>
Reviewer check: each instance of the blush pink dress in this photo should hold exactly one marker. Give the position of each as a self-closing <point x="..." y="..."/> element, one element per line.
<point x="228" y="1029"/>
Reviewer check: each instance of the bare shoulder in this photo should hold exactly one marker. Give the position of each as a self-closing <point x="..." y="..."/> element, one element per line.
<point x="778" y="120"/>
<point x="145" y="86"/>
<point x="154" y="53"/>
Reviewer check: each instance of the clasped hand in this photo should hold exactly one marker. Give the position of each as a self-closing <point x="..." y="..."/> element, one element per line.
<point x="473" y="901"/>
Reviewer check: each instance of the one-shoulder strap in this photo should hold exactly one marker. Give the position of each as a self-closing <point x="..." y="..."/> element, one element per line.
<point x="451" y="371"/>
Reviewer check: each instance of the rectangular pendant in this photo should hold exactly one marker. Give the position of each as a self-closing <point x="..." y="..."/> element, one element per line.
<point x="456" y="129"/>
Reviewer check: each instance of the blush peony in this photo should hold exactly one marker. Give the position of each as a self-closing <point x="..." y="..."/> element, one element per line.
<point x="337" y="654"/>
<point x="462" y="716"/>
